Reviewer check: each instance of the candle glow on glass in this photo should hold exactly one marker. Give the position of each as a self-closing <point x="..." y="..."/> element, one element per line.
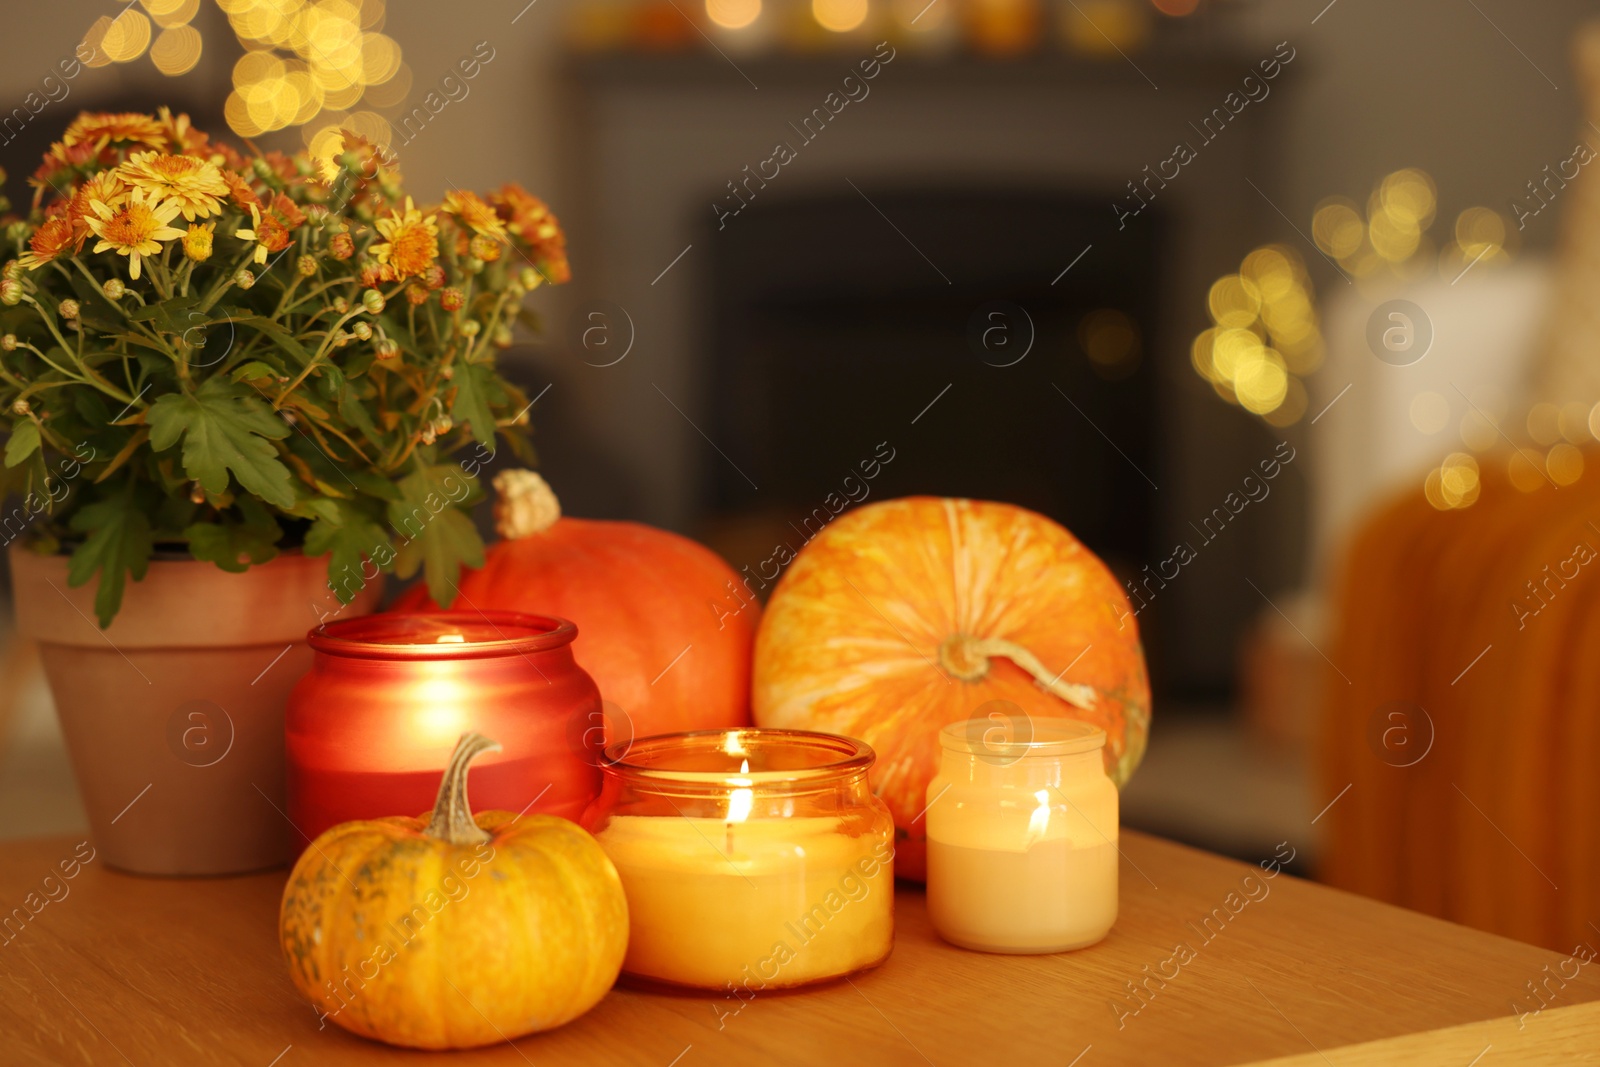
<point x="797" y="887"/>
<point x="1022" y="853"/>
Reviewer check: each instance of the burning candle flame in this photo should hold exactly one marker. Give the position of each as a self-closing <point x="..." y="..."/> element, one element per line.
<point x="740" y="800"/>
<point x="1039" y="821"/>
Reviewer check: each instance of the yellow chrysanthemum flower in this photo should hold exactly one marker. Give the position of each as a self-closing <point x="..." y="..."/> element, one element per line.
<point x="411" y="242"/>
<point x="134" y="229"/>
<point x="197" y="241"/>
<point x="475" y="213"/>
<point x="196" y="186"/>
<point x="99" y="129"/>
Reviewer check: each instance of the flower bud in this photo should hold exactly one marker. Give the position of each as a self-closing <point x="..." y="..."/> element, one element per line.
<point x="417" y="294"/>
<point x="452" y="299"/>
<point x="502" y="336"/>
<point x="69" y="309"/>
<point x="388" y="348"/>
<point x="244" y="279"/>
<point x="447" y="373"/>
<point x="341" y="305"/>
<point x="114" y="289"/>
<point x="485" y="248"/>
<point x="373" y="301"/>
<point x="443" y="424"/>
<point x="8" y="343"/>
<point x="428" y="436"/>
<point x="362" y="330"/>
<point x="197" y="495"/>
<point x="10" y="292"/>
<point x="529" y="278"/>
<point x="341" y="246"/>
<point x="470" y="328"/>
<point x="306" y="265"/>
<point x="434" y="277"/>
<point x="21" y="407"/>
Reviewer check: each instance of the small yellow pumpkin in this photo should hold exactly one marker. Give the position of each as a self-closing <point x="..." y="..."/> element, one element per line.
<point x="449" y="931"/>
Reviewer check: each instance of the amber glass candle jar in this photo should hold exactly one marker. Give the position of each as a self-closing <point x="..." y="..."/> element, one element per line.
<point x="371" y="726"/>
<point x="752" y="859"/>
<point x="1022" y="838"/>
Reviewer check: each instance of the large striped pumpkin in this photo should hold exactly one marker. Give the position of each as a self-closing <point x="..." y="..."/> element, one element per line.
<point x="903" y="616"/>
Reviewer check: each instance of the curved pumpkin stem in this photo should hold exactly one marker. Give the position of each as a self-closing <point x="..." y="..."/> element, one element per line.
<point x="524" y="504"/>
<point x="452" y="819"/>
<point x="967" y="659"/>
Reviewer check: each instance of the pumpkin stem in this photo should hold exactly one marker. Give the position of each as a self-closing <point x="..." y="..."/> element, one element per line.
<point x="967" y="659"/>
<point x="452" y="819"/>
<point x="524" y="504"/>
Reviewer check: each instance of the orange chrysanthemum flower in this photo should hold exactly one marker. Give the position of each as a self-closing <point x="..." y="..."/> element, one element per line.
<point x="193" y="184"/>
<point x="411" y="243"/>
<point x="474" y="212"/>
<point x="375" y="274"/>
<point x="268" y="232"/>
<point x="105" y="187"/>
<point x="182" y="136"/>
<point x="60" y="157"/>
<point x="531" y="221"/>
<point x="239" y="192"/>
<point x="50" y="240"/>
<point x="135" y="229"/>
<point x="288" y="211"/>
<point x="102" y="128"/>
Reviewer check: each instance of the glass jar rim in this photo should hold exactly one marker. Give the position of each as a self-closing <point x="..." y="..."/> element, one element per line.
<point x="1059" y="736"/>
<point x="442" y="635"/>
<point x="642" y="760"/>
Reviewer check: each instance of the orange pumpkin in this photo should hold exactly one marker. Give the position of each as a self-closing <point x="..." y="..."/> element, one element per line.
<point x="663" y="626"/>
<point x="452" y="931"/>
<point x="903" y="616"/>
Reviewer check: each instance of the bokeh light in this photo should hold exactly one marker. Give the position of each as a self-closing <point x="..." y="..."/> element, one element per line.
<point x="176" y="50"/>
<point x="303" y="58"/>
<point x="1265" y="335"/>
<point x="127" y="37"/>
<point x="733" y="14"/>
<point x="840" y="16"/>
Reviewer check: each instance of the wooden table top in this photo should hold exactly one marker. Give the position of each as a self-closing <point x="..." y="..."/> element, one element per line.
<point x="141" y="971"/>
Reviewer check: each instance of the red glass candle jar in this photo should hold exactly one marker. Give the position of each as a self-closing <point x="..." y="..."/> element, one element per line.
<point x="371" y="725"/>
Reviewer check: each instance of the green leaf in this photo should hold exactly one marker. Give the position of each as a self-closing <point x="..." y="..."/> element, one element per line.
<point x="350" y="539"/>
<point x="232" y="546"/>
<point x="24" y="442"/>
<point x="118" y="545"/>
<point x="225" y="428"/>
<point x="474" y="384"/>
<point x="254" y="370"/>
<point x="274" y="332"/>
<point x="434" y="530"/>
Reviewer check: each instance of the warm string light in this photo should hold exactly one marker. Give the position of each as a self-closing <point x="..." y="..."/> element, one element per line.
<point x="1550" y="453"/>
<point x="1392" y="236"/>
<point x="303" y="59"/>
<point x="1265" y="335"/>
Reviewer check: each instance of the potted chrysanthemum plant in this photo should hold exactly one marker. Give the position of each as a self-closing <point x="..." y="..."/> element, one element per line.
<point x="237" y="388"/>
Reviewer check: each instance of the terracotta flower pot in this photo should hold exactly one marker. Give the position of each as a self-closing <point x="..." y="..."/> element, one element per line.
<point x="174" y="715"/>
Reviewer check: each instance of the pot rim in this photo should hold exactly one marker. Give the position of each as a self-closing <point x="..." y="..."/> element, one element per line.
<point x="378" y="636"/>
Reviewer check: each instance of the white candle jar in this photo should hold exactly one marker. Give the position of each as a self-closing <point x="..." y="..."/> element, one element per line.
<point x="1022" y="838"/>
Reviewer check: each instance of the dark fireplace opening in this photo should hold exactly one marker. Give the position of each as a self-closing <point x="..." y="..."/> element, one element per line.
<point x="967" y="333"/>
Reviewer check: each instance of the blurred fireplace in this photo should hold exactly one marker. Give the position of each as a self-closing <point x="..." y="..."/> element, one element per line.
<point x="833" y="341"/>
<point x="785" y="345"/>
